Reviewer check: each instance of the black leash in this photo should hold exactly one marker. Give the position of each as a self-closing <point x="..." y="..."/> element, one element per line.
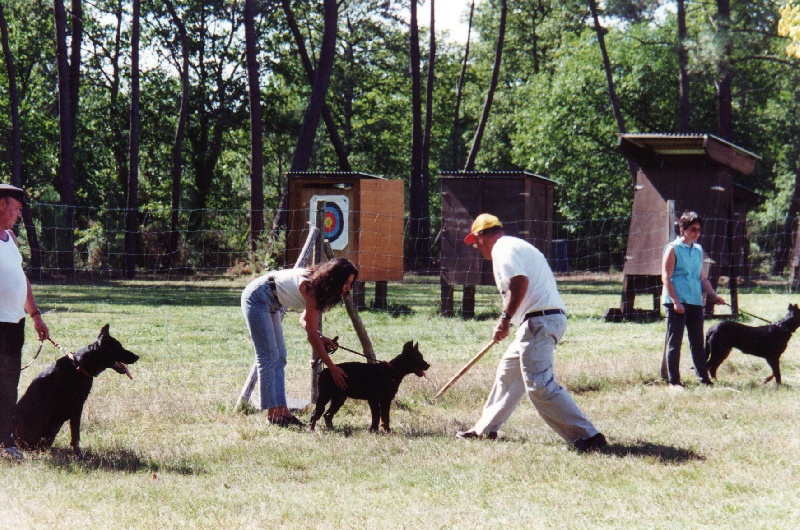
<point x="750" y="314"/>
<point x="338" y="346"/>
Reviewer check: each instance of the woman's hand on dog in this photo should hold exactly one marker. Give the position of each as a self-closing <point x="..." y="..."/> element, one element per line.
<point x="338" y="376"/>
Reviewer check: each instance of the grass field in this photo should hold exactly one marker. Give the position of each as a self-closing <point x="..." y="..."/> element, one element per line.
<point x="167" y="450"/>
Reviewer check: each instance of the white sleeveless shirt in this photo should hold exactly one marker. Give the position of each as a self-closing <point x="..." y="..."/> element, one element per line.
<point x="287" y="282"/>
<point x="13" y="282"/>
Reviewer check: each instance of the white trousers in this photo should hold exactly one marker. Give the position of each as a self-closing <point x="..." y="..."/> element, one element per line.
<point x="527" y="366"/>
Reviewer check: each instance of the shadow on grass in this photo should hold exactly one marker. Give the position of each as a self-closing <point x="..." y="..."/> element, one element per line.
<point x="665" y="454"/>
<point x="120" y="460"/>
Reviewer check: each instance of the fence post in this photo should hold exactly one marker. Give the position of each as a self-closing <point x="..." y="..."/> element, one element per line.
<point x="319" y="254"/>
<point x="355" y="318"/>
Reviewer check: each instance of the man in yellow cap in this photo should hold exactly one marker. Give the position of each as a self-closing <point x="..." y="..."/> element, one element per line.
<point x="532" y="302"/>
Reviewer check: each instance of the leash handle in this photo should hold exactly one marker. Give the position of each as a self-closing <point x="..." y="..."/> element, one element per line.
<point x="41" y="343"/>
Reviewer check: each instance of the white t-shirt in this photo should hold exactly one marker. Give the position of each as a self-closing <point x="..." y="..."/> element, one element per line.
<point x="511" y="257"/>
<point x="13" y="282"/>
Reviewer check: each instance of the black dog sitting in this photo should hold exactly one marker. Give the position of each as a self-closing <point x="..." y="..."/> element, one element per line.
<point x="768" y="342"/>
<point x="59" y="392"/>
<point x="377" y="383"/>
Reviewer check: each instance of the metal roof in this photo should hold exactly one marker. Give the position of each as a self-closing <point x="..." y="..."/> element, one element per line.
<point x="672" y="144"/>
<point x="332" y="174"/>
<point x="495" y="174"/>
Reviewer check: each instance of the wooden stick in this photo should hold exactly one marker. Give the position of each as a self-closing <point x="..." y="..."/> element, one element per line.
<point x="355" y="318"/>
<point x="466" y="367"/>
<point x="252" y="377"/>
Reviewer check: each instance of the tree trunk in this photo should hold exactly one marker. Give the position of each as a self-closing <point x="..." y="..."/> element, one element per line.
<point x="66" y="258"/>
<point x="684" y="105"/>
<point x="319" y="88"/>
<point x="487" y="106"/>
<point x="256" y="134"/>
<point x="456" y="136"/>
<point x="612" y="93"/>
<point x="725" y="74"/>
<point x="425" y="181"/>
<point x="35" y="268"/>
<point x="75" y="63"/>
<point x="180" y="131"/>
<point x="784" y="247"/>
<point x="132" y="206"/>
<point x="416" y="189"/>
<point x="117" y="114"/>
<point x="336" y="141"/>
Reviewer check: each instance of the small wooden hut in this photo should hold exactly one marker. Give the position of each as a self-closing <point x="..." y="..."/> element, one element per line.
<point x="364" y="222"/>
<point x="680" y="172"/>
<point x="522" y="200"/>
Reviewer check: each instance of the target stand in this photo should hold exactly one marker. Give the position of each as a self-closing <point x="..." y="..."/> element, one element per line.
<point x="363" y="222"/>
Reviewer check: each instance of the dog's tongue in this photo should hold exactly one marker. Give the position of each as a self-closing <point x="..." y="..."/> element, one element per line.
<point x="421" y="373"/>
<point x="123" y="369"/>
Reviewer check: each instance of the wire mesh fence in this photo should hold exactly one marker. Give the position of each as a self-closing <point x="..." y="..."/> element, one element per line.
<point x="216" y="243"/>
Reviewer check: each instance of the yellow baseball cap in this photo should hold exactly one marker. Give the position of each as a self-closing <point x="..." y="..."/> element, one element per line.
<point x="483" y="222"/>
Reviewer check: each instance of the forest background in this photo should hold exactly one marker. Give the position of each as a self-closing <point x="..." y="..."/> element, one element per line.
<point x="129" y="119"/>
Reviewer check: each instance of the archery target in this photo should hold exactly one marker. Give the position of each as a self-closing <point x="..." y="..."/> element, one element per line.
<point x="335" y="221"/>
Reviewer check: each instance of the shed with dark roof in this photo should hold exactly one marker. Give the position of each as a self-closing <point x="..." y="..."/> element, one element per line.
<point x="678" y="173"/>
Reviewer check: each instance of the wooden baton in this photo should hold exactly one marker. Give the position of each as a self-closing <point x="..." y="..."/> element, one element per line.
<point x="466" y="367"/>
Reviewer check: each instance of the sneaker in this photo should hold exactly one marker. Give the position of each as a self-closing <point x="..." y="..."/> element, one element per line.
<point x="13" y="453"/>
<point x="676" y="387"/>
<point x="472" y="435"/>
<point x="594" y="443"/>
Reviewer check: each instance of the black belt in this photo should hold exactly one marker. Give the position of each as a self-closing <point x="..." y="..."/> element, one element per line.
<point x="543" y="313"/>
<point x="271" y="283"/>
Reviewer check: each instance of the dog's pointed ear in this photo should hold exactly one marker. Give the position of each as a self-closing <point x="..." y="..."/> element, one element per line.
<point x="104" y="330"/>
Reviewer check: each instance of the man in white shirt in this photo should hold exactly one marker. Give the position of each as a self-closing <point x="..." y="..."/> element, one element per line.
<point x="532" y="302"/>
<point x="16" y="300"/>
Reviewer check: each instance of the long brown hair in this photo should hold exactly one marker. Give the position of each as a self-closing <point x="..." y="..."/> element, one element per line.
<point x="326" y="281"/>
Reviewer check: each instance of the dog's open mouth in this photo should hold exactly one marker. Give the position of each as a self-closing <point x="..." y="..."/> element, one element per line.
<point x="122" y="368"/>
<point x="420" y="373"/>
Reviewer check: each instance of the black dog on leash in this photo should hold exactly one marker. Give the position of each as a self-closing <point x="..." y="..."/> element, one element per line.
<point x="768" y="342"/>
<point x="59" y="392"/>
<point x="377" y="383"/>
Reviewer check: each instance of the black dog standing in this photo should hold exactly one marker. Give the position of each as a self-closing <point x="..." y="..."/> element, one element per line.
<point x="768" y="342"/>
<point x="376" y="383"/>
<point x="58" y="393"/>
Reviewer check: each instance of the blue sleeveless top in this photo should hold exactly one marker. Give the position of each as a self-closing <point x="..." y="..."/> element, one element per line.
<point x="686" y="275"/>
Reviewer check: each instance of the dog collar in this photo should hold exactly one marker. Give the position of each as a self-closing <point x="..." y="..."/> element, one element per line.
<point x="80" y="369"/>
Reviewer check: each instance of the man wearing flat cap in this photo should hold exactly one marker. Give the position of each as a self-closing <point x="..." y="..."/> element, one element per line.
<point x="16" y="301"/>
<point x="530" y="301"/>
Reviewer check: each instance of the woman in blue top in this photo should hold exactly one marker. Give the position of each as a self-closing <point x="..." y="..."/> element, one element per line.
<point x="685" y="282"/>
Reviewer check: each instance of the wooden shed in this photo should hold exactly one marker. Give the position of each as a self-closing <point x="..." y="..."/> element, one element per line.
<point x="364" y="222"/>
<point x="523" y="201"/>
<point x="680" y="172"/>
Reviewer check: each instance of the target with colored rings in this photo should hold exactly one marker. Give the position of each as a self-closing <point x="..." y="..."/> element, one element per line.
<point x="334" y="221"/>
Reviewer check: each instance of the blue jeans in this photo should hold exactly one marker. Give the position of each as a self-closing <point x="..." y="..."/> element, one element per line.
<point x="263" y="314"/>
<point x="692" y="320"/>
